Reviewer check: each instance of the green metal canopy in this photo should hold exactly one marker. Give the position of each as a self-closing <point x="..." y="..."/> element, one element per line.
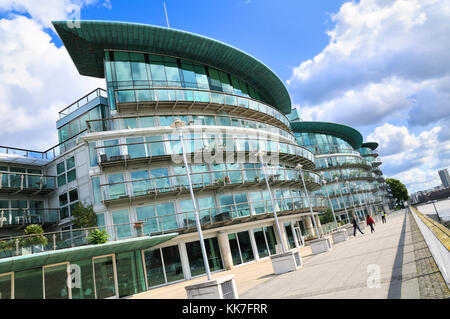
<point x="73" y="254"/>
<point x="86" y="45"/>
<point x="347" y="133"/>
<point x="371" y="145"/>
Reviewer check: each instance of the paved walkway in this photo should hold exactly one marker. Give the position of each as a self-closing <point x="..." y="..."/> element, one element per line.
<point x="394" y="261"/>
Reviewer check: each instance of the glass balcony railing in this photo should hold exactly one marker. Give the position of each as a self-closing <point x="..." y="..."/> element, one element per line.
<point x="323" y="149"/>
<point x="49" y="154"/>
<point x="336" y="162"/>
<point x="27" y="216"/>
<point x="191" y="96"/>
<point x="154" y="146"/>
<point x="26" y="181"/>
<point x="152" y="186"/>
<point x="155" y="225"/>
<point x="120" y="123"/>
<point x="83" y="101"/>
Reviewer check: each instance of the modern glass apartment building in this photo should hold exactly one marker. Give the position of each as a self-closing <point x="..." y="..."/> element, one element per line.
<point x="348" y="167"/>
<point x="119" y="153"/>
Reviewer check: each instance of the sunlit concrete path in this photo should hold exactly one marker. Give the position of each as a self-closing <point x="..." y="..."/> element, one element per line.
<point x="396" y="250"/>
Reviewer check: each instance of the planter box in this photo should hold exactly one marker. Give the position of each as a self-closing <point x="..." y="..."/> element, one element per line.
<point x="218" y="288"/>
<point x="286" y="262"/>
<point x="340" y="236"/>
<point x="320" y="245"/>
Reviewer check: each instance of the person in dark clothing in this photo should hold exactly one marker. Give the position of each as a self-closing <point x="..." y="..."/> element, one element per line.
<point x="370" y="223"/>
<point x="383" y="216"/>
<point x="355" y="226"/>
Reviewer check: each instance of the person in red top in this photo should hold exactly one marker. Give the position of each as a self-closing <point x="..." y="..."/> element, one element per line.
<point x="370" y="223"/>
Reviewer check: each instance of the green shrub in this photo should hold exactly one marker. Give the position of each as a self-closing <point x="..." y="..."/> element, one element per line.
<point x="98" y="236"/>
<point x="36" y="238"/>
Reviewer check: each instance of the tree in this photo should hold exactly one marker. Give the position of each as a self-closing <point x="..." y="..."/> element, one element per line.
<point x="35" y="238"/>
<point x="398" y="190"/>
<point x="84" y="216"/>
<point x="326" y="217"/>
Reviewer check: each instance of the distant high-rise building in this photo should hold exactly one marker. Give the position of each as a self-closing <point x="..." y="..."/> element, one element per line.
<point x="445" y="177"/>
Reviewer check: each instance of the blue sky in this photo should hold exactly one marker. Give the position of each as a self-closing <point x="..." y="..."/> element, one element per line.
<point x="380" y="66"/>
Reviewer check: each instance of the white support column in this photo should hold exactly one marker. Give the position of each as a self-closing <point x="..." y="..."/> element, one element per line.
<point x="225" y="250"/>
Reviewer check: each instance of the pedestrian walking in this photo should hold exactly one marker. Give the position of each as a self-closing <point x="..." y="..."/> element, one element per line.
<point x="355" y="226"/>
<point x="370" y="223"/>
<point x="383" y="216"/>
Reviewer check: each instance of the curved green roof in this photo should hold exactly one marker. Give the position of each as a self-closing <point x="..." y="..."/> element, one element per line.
<point x="86" y="45"/>
<point x="347" y="133"/>
<point x="371" y="145"/>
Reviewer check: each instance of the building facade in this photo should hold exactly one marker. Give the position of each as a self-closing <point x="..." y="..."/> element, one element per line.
<point x="445" y="177"/>
<point x="119" y="153"/>
<point x="349" y="169"/>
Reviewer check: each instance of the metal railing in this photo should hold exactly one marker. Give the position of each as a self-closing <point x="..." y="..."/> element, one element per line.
<point x="49" y="154"/>
<point x="145" y="95"/>
<point x="18" y="180"/>
<point x="83" y="101"/>
<point x="323" y="149"/>
<point x="155" y="185"/>
<point x="149" y="226"/>
<point x="28" y="216"/>
<point x="325" y="164"/>
<point x="164" y="147"/>
<point x="120" y="123"/>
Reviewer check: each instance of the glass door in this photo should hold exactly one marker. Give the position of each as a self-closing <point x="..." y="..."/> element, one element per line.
<point x="55" y="281"/>
<point x="105" y="277"/>
<point x="7" y="286"/>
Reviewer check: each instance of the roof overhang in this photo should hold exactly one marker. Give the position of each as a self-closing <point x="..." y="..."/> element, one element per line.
<point x="371" y="145"/>
<point x="347" y="133"/>
<point x="87" y="42"/>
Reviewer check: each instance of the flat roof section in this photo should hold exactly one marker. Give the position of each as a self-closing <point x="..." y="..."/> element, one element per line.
<point x="72" y="254"/>
<point x="86" y="45"/>
<point x="347" y="133"/>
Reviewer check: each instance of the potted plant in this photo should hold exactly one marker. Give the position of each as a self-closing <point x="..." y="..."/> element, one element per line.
<point x="97" y="237"/>
<point x="139" y="226"/>
<point x="35" y="242"/>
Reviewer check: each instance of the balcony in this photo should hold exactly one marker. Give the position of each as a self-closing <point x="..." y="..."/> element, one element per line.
<point x="171" y="223"/>
<point x="83" y="101"/>
<point x="201" y="149"/>
<point x="133" y="100"/>
<point x="22" y="217"/>
<point x="123" y="123"/>
<point x="327" y="149"/>
<point x="26" y="183"/>
<point x="169" y="186"/>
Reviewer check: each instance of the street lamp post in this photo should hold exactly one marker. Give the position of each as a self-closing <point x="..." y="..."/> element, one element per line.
<point x="178" y="124"/>
<point x="329" y="200"/>
<point x="353" y="199"/>
<point x="342" y="197"/>
<point x="300" y="168"/>
<point x="260" y="154"/>
<point x="435" y="209"/>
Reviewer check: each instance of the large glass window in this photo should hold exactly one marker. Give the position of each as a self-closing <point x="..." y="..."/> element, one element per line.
<point x="167" y="218"/>
<point x="163" y="265"/>
<point x="122" y="217"/>
<point x="130" y="274"/>
<point x="241" y="247"/>
<point x="6" y="286"/>
<point x="195" y="257"/>
<point x="55" y="280"/>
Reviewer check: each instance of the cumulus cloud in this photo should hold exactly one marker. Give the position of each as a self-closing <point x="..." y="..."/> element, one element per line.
<point x="37" y="80"/>
<point x="386" y="69"/>
<point x="384" y="56"/>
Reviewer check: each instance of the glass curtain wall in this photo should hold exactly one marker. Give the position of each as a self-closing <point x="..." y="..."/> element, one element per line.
<point x="195" y="257"/>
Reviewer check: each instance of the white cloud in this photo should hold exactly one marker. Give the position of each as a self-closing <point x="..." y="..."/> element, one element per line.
<point x="386" y="63"/>
<point x="37" y="80"/>
<point x="412" y="159"/>
<point x="385" y="55"/>
<point x="44" y="11"/>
